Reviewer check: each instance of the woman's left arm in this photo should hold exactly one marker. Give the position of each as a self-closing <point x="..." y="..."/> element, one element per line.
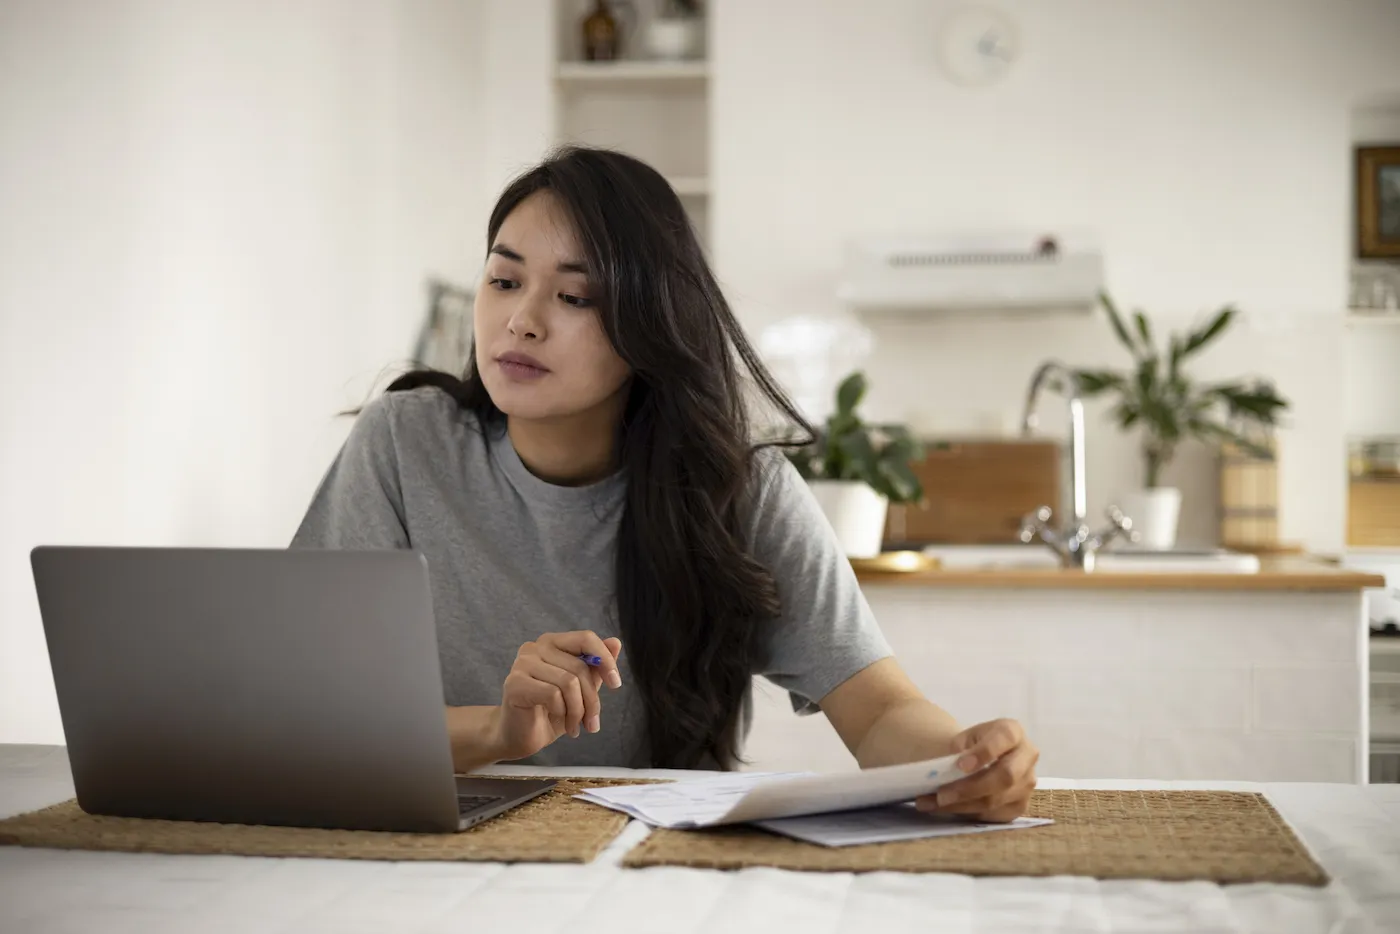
<point x="828" y="648"/>
<point x="884" y="720"/>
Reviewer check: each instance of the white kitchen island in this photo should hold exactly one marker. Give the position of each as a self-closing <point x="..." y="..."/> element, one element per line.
<point x="1165" y="675"/>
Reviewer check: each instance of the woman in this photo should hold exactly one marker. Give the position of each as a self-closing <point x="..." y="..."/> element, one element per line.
<point x="590" y="487"/>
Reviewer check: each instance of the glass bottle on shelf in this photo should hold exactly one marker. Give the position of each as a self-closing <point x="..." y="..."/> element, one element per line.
<point x="602" y="32"/>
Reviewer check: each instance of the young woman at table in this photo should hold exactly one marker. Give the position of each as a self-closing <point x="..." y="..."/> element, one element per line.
<point x="590" y="486"/>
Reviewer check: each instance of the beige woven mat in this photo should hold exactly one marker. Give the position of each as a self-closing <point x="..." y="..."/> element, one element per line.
<point x="551" y="828"/>
<point x="1225" y="837"/>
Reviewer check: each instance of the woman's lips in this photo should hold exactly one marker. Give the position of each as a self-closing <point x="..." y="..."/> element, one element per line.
<point x="520" y="367"/>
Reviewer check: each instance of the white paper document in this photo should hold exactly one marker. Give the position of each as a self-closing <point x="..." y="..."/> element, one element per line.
<point x="744" y="797"/>
<point x="884" y="824"/>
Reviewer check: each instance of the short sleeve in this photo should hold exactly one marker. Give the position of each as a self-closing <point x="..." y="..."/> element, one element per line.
<point x="359" y="504"/>
<point x="826" y="632"/>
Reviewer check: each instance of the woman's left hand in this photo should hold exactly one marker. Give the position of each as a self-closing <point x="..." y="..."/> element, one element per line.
<point x="1001" y="791"/>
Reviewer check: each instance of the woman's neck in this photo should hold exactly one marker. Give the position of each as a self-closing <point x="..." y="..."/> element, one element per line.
<point x="573" y="451"/>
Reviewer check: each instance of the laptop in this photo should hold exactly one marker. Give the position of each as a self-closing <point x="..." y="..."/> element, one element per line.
<point x="290" y="688"/>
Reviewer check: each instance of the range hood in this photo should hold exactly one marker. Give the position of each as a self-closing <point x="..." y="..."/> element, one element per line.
<point x="1013" y="271"/>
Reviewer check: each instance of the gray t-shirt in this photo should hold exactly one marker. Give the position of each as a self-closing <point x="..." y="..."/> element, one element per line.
<point x="511" y="557"/>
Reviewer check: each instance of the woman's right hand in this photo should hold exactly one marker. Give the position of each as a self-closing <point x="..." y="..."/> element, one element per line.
<point x="550" y="691"/>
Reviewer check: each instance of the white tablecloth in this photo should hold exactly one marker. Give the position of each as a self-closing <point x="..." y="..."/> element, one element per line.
<point x="1353" y="830"/>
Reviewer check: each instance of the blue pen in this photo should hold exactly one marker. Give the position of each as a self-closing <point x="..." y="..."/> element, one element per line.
<point x="614" y="679"/>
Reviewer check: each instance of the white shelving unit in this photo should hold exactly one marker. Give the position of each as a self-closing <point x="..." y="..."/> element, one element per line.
<point x="658" y="111"/>
<point x="635" y="73"/>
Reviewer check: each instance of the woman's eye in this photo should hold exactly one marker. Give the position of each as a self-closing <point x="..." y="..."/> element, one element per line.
<point x="578" y="301"/>
<point x="505" y="285"/>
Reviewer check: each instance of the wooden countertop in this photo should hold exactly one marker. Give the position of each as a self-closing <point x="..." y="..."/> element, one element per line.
<point x="1275" y="573"/>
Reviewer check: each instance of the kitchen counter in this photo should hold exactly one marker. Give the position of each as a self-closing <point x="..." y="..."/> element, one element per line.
<point x="1289" y="573"/>
<point x="1213" y="666"/>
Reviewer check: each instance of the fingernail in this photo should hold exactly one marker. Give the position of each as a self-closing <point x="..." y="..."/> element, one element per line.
<point x="573" y="731"/>
<point x="946" y="798"/>
<point x="967" y="763"/>
<point x="593" y="724"/>
<point x="614" y="679"/>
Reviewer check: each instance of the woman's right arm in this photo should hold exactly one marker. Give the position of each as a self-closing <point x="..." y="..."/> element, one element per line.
<point x="359" y="505"/>
<point x="549" y="692"/>
<point x="474" y="733"/>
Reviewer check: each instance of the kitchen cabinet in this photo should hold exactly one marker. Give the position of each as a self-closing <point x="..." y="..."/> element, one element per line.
<point x="1173" y="676"/>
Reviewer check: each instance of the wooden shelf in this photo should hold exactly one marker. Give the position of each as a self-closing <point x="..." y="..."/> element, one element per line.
<point x="639" y="72"/>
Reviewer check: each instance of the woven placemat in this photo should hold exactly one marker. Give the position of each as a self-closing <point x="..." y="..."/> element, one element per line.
<point x="551" y="828"/>
<point x="1226" y="837"/>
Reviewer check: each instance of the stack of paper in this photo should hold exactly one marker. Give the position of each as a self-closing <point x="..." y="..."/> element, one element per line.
<point x="883" y="825"/>
<point x="835" y="810"/>
<point x="700" y="802"/>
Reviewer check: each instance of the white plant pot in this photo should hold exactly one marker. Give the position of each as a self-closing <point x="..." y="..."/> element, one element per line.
<point x="1155" y="513"/>
<point x="856" y="512"/>
<point x="675" y="39"/>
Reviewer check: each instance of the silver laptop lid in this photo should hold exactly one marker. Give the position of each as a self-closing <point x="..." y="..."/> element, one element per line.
<point x="250" y="686"/>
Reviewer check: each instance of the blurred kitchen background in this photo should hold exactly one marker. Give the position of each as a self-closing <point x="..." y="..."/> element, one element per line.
<point x="220" y="222"/>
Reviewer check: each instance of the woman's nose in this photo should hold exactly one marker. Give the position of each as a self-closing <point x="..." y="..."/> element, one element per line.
<point x="527" y="321"/>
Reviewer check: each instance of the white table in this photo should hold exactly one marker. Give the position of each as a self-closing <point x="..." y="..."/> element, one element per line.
<point x="1353" y="830"/>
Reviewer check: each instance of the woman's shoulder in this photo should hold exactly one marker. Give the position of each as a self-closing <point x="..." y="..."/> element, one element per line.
<point x="422" y="405"/>
<point x="774" y="483"/>
<point x="768" y="464"/>
<point x="415" y="420"/>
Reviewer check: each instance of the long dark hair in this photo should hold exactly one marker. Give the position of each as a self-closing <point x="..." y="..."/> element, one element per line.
<point x="692" y="600"/>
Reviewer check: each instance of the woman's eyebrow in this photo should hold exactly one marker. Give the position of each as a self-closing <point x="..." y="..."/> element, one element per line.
<point x="577" y="266"/>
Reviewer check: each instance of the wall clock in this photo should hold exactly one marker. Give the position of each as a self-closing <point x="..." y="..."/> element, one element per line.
<point x="978" y="45"/>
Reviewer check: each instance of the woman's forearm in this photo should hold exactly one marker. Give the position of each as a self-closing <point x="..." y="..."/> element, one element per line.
<point x="910" y="731"/>
<point x="473" y="734"/>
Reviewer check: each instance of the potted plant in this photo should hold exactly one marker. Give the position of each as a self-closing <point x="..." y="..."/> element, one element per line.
<point x="856" y="470"/>
<point x="1168" y="407"/>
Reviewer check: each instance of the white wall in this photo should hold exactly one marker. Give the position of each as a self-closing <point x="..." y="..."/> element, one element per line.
<point x="218" y="217"/>
<point x="517" y="68"/>
<point x="1206" y="143"/>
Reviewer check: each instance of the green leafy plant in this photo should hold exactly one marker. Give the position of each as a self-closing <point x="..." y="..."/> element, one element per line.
<point x="847" y="448"/>
<point x="1158" y="397"/>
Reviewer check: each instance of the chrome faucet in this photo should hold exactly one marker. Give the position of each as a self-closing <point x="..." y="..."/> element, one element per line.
<point x="1075" y="544"/>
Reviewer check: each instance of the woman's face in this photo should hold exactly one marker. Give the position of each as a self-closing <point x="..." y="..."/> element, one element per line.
<point x="540" y="346"/>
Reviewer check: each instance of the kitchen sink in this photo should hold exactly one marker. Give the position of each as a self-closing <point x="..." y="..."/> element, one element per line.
<point x="1011" y="557"/>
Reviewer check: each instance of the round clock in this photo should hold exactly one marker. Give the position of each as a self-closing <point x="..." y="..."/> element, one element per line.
<point x="978" y="45"/>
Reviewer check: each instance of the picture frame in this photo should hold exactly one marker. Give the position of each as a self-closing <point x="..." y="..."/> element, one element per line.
<point x="1378" y="202"/>
<point x="445" y="338"/>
